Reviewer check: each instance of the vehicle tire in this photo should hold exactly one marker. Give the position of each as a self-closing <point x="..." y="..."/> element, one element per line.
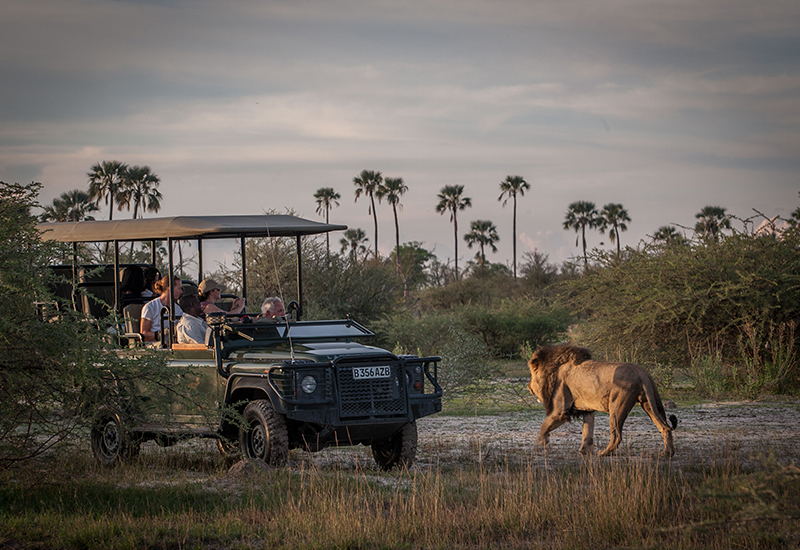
<point x="111" y="443"/>
<point x="264" y="434"/>
<point x="399" y="450"/>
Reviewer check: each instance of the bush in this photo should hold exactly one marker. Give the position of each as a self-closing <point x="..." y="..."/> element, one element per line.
<point x="50" y="383"/>
<point x="673" y="303"/>
<point x="504" y="329"/>
<point x="465" y="365"/>
<point x="407" y="333"/>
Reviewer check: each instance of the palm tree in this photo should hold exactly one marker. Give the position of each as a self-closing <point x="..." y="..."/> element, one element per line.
<point x="72" y="206"/>
<point x="711" y="221"/>
<point x="327" y="198"/>
<point x="614" y="215"/>
<point x="140" y="189"/>
<point x="369" y="182"/>
<point x="450" y="200"/>
<point x="392" y="189"/>
<point x="510" y="188"/>
<point x="105" y="183"/>
<point x="580" y="215"/>
<point x="355" y="240"/>
<point x="483" y="233"/>
<point x="668" y="235"/>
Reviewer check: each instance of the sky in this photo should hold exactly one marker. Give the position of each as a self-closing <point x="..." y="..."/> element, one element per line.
<point x="246" y="106"/>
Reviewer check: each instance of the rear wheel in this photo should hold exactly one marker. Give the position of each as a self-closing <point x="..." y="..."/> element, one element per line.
<point x="397" y="451"/>
<point x="264" y="434"/>
<point x="111" y="443"/>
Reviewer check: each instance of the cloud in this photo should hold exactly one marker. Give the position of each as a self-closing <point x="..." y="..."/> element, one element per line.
<point x="662" y="106"/>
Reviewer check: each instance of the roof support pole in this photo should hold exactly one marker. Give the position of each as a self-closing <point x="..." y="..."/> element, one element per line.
<point x="244" y="268"/>
<point x="171" y="271"/>
<point x="199" y="260"/>
<point x="299" y="278"/>
<point x="116" y="273"/>
<point x="74" y="276"/>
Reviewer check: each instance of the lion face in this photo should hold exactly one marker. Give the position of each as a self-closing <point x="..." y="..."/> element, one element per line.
<point x="535" y="383"/>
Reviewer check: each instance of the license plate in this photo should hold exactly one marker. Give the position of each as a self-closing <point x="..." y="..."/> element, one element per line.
<point x="361" y="373"/>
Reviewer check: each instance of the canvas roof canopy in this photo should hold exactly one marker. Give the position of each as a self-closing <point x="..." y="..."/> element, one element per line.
<point x="184" y="227"/>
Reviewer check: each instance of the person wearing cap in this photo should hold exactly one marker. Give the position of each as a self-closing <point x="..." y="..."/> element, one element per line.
<point x="210" y="291"/>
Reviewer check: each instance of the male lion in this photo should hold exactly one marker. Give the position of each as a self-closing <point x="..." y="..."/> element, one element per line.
<point x="570" y="384"/>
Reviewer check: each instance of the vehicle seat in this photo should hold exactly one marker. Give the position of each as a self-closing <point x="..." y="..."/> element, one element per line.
<point x="132" y="315"/>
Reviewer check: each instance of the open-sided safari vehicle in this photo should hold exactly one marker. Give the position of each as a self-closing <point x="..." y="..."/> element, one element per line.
<point x="264" y="387"/>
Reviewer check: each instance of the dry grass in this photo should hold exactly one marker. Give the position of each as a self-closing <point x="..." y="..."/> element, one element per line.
<point x="478" y="483"/>
<point x="185" y="498"/>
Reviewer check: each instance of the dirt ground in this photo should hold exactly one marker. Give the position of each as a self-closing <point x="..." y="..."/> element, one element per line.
<point x="705" y="433"/>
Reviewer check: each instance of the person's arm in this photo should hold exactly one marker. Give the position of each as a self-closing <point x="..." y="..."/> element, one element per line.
<point x="238" y="305"/>
<point x="145" y="328"/>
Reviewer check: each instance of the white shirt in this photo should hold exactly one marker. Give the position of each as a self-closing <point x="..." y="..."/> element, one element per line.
<point x="192" y="330"/>
<point x="152" y="311"/>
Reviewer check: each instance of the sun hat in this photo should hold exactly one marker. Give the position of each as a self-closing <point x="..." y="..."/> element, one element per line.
<point x="208" y="285"/>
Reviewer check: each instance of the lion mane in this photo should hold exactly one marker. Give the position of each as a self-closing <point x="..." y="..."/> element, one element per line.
<point x="550" y="359"/>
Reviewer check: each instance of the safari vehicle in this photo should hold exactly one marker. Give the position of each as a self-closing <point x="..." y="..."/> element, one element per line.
<point x="290" y="384"/>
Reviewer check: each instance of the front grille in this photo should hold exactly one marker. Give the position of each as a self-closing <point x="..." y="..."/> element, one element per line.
<point x="374" y="397"/>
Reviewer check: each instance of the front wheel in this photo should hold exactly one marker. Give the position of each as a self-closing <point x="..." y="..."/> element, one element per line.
<point x="397" y="451"/>
<point x="111" y="443"/>
<point x="264" y="434"/>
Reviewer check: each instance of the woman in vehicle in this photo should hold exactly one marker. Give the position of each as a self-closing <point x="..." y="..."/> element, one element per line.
<point x="151" y="275"/>
<point x="150" y="323"/>
<point x="209" y="292"/>
<point x="131" y="286"/>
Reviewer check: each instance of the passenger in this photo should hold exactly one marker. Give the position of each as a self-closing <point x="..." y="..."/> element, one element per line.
<point x="151" y="275"/>
<point x="272" y="309"/>
<point x="191" y="329"/>
<point x="131" y="286"/>
<point x="209" y="292"/>
<point x="151" y="312"/>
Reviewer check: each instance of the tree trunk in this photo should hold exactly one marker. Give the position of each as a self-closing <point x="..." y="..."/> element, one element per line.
<point x="455" y="233"/>
<point x="396" y="237"/>
<point x="514" y="243"/>
<point x="375" y="217"/>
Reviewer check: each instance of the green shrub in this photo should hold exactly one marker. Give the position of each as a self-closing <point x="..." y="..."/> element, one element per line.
<point x="465" y="367"/>
<point x="504" y="329"/>
<point x="664" y="303"/>
<point x="55" y="373"/>
<point x="408" y="333"/>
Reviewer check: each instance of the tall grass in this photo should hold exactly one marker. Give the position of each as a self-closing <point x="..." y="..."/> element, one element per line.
<point x="633" y="501"/>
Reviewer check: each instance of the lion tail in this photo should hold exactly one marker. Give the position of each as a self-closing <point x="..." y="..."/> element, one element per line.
<point x="655" y="402"/>
<point x="674" y="421"/>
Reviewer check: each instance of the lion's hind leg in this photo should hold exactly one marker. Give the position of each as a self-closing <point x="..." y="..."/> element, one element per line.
<point x="666" y="431"/>
<point x="619" y="410"/>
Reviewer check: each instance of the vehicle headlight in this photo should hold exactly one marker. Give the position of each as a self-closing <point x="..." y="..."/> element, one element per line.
<point x="309" y="384"/>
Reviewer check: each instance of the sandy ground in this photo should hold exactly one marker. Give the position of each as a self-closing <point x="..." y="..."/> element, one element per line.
<point x="705" y="432"/>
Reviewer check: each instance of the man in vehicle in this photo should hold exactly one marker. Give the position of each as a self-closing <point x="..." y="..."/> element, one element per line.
<point x="191" y="329"/>
<point x="272" y="309"/>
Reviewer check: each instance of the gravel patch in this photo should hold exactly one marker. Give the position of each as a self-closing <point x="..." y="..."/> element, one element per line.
<point x="705" y="433"/>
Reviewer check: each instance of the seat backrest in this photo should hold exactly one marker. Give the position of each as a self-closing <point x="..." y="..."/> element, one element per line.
<point x="97" y="299"/>
<point x="132" y="314"/>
